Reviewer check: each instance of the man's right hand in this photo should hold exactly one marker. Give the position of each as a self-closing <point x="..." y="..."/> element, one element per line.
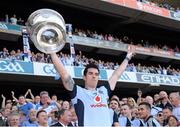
<point x="3" y="96"/>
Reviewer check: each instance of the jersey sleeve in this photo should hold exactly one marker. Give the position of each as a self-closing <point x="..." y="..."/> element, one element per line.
<point x="73" y="93"/>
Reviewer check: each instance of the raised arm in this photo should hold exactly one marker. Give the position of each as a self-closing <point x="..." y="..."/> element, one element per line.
<point x="32" y="96"/>
<point x="14" y="98"/>
<point x="68" y="82"/>
<point x="30" y="93"/>
<point x="118" y="72"/>
<point x="3" y="101"/>
<point x="25" y="95"/>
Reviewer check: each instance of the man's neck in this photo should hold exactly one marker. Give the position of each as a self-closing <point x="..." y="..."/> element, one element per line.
<point x="147" y="117"/>
<point x="129" y="117"/>
<point x="43" y="125"/>
<point x="90" y="88"/>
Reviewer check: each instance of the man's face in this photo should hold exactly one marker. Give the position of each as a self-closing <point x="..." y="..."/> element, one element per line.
<point x="114" y="105"/>
<point x="124" y="100"/>
<point x="172" y="122"/>
<point x="44" y="98"/>
<point x="134" y="112"/>
<point x="163" y="94"/>
<point x="156" y="97"/>
<point x="65" y="105"/>
<point x="32" y="115"/>
<point x="149" y="100"/>
<point x="172" y="99"/>
<point x="42" y="118"/>
<point x="37" y="99"/>
<point x="67" y="117"/>
<point x="143" y="112"/>
<point x="14" y="120"/>
<point x="54" y="98"/>
<point x="22" y="100"/>
<point x="166" y="113"/>
<point x="125" y="111"/>
<point x="6" y="112"/>
<point x="91" y="78"/>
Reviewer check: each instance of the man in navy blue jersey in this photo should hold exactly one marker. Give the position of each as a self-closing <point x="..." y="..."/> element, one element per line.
<point x="91" y="102"/>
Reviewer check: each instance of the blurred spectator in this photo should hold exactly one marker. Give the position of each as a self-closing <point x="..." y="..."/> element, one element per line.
<point x="139" y="94"/>
<point x="172" y="121"/>
<point x="45" y="103"/>
<point x="167" y="111"/>
<point x="4" y="54"/>
<point x="156" y="100"/>
<point x="126" y="118"/>
<point x="176" y="49"/>
<point x="2" y="119"/>
<point x="175" y="101"/>
<point x="13" y="20"/>
<point x="37" y="100"/>
<point x="54" y="98"/>
<point x="164" y="101"/>
<point x="160" y="118"/>
<point x="6" y="113"/>
<point x="154" y="109"/>
<point x="131" y="102"/>
<point x="13" y="119"/>
<point x="65" y="105"/>
<point x="74" y="119"/>
<point x="124" y="100"/>
<point x="31" y="121"/>
<point x="24" y="106"/>
<point x="20" y="22"/>
<point x="115" y="106"/>
<point x="53" y="117"/>
<point x="6" y="18"/>
<point x="145" y="115"/>
<point x="42" y="118"/>
<point x="64" y="118"/>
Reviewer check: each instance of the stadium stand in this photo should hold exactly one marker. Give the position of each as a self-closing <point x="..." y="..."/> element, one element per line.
<point x="102" y="31"/>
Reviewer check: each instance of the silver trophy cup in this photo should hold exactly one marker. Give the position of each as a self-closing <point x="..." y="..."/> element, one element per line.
<point x="47" y="30"/>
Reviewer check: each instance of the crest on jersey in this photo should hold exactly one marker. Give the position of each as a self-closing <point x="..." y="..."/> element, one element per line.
<point x="97" y="99"/>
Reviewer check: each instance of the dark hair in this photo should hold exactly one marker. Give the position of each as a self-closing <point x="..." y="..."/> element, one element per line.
<point x="40" y="112"/>
<point x="173" y="117"/>
<point x="21" y="96"/>
<point x="59" y="113"/>
<point x="90" y="66"/>
<point x="168" y="107"/>
<point x="148" y="106"/>
<point x="114" y="99"/>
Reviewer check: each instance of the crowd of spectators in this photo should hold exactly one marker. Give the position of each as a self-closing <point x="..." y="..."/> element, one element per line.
<point x="163" y="4"/>
<point x="13" y="20"/>
<point x="107" y="37"/>
<point x="39" y="110"/>
<point x="46" y="110"/>
<point x="124" y="39"/>
<point x="81" y="61"/>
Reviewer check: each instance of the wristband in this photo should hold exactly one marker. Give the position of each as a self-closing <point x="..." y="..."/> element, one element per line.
<point x="127" y="58"/>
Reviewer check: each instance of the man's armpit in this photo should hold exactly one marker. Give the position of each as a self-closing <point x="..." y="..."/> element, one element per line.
<point x="69" y="82"/>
